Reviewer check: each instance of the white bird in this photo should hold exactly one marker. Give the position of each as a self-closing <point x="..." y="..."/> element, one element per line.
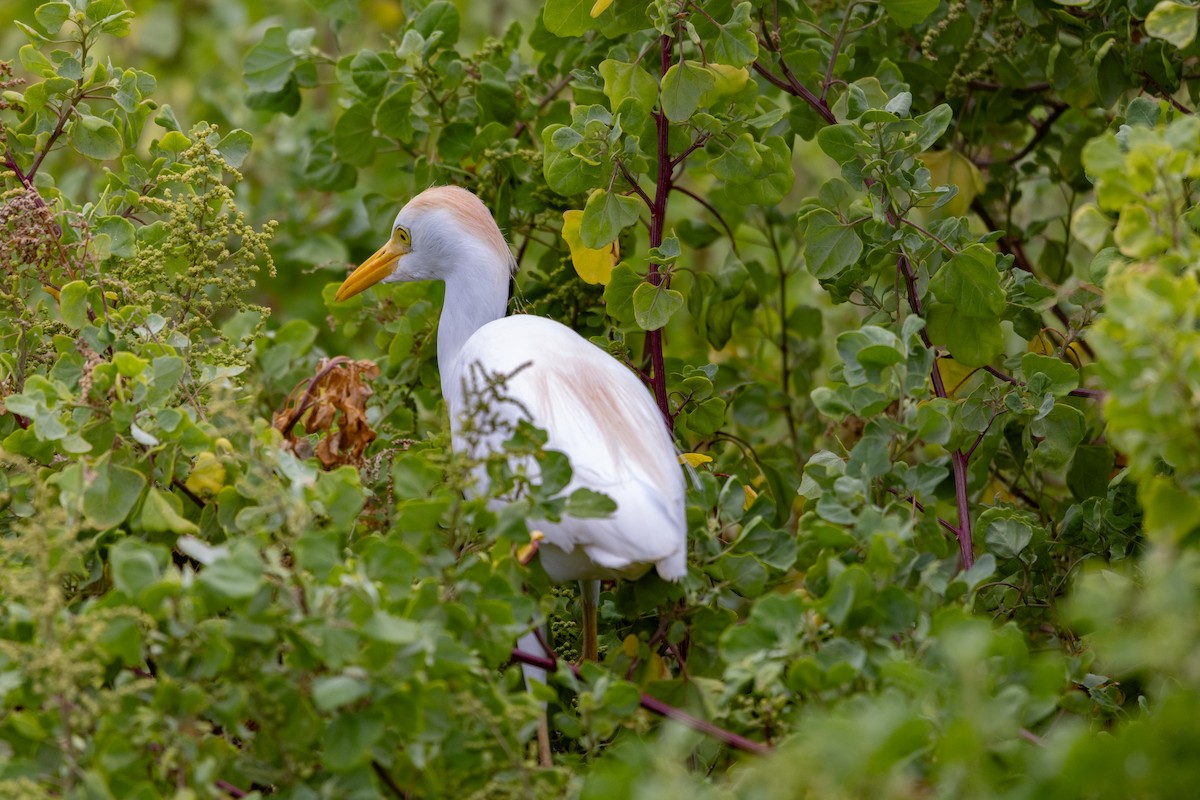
<point x="591" y="407"/>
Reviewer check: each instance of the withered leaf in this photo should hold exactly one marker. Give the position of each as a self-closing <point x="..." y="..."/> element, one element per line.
<point x="333" y="406"/>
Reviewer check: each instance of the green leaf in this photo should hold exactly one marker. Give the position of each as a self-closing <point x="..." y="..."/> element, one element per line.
<point x="395" y="113"/>
<point x="1006" y="532"/>
<point x="830" y="245"/>
<point x="973" y="341"/>
<point x="333" y="692"/>
<point x="851" y="589"/>
<point x="1060" y="376"/>
<point x="384" y="627"/>
<point x="1173" y="22"/>
<point x="568" y="17"/>
<point x="269" y="63"/>
<point x="736" y="44"/>
<point x="235" y="146"/>
<point x="235" y="574"/>
<point x="354" y="135"/>
<point x="565" y="172"/>
<point x="605" y="216"/>
<point x="587" y="504"/>
<point x="970" y="282"/>
<point x="73" y="304"/>
<point x="622" y="80"/>
<point x="907" y="13"/>
<point x="136" y="565"/>
<point x="618" y="295"/>
<point x="933" y="125"/>
<point x="439" y="17"/>
<point x="1061" y="431"/>
<point x="495" y="96"/>
<point x="111" y="494"/>
<point x="349" y="739"/>
<point x="33" y="60"/>
<point x="368" y="72"/>
<point x="654" y="305"/>
<point x="95" y="137"/>
<point x="739" y="162"/>
<point x="840" y="142"/>
<point x="122" y="239"/>
<point x="682" y="87"/>
<point x="160" y="516"/>
<point x="122" y="639"/>
<point x="51" y="16"/>
<point x="128" y="364"/>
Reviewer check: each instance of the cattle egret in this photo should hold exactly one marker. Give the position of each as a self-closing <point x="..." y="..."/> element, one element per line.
<point x="591" y="407"/>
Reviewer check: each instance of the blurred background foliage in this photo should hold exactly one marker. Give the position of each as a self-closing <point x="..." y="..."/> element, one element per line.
<point x="923" y="277"/>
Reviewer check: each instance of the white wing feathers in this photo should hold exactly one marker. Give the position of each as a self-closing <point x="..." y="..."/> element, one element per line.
<point x="600" y="415"/>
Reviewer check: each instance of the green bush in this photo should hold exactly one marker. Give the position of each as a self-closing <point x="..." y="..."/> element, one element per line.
<point x="915" y="281"/>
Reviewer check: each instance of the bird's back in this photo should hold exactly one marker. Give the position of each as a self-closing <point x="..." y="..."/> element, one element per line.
<point x="600" y="415"/>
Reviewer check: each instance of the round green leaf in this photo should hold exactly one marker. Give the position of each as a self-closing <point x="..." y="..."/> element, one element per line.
<point x="654" y="305"/>
<point x="95" y="137"/>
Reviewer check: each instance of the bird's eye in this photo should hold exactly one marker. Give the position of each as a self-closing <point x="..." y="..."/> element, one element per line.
<point x="402" y="236"/>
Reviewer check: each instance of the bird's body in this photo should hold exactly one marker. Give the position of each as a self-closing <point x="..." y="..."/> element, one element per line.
<point x="599" y="414"/>
<point x="592" y="408"/>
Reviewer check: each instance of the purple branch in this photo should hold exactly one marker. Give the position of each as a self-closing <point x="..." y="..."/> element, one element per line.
<point x="657" y="706"/>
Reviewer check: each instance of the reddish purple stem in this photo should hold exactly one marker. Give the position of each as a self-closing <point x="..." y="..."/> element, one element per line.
<point x="658" y="707"/>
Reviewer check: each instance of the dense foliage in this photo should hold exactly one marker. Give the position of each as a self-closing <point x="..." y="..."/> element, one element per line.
<point x="915" y="281"/>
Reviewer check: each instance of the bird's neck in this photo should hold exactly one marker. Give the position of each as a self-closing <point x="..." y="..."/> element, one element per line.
<point x="472" y="301"/>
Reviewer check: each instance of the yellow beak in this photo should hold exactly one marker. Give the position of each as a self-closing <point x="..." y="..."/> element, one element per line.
<point x="371" y="271"/>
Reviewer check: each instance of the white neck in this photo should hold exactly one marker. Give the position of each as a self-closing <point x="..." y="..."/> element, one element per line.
<point x="472" y="301"/>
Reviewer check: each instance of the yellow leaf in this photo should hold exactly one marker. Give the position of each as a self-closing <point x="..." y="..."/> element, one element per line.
<point x="1049" y="342"/>
<point x="952" y="168"/>
<point x="751" y="496"/>
<point x="629" y="646"/>
<point x="954" y="375"/>
<point x="658" y="669"/>
<point x="526" y="552"/>
<point x="594" y="266"/>
<point x="694" y="460"/>
<point x="208" y="475"/>
<point x="50" y="290"/>
<point x="728" y="80"/>
<point x="600" y="7"/>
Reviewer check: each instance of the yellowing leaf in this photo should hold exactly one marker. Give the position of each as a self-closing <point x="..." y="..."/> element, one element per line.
<point x="694" y="460"/>
<point x="526" y="552"/>
<point x="728" y="80"/>
<point x="50" y="290"/>
<point x="952" y="168"/>
<point x="208" y="475"/>
<point x="954" y="375"/>
<point x="658" y="669"/>
<point x="600" y="7"/>
<point x="593" y="265"/>
<point x="751" y="496"/>
<point x="629" y="646"/>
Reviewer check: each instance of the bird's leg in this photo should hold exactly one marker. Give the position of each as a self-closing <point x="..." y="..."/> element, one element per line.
<point x="543" y="734"/>
<point x="589" y="595"/>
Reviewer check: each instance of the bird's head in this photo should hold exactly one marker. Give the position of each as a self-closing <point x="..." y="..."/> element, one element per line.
<point x="442" y="231"/>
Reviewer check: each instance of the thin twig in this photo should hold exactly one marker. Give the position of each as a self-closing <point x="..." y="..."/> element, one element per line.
<point x="181" y="486"/>
<point x="657" y="706"/>
<point x="386" y="778"/>
<point x="707" y="205"/>
<point x="1039" y="133"/>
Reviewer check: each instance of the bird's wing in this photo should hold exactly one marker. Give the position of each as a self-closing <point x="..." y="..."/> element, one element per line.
<point x="600" y="415"/>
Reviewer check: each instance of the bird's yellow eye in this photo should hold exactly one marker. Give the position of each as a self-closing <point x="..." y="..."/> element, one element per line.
<point x="401" y="236"/>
